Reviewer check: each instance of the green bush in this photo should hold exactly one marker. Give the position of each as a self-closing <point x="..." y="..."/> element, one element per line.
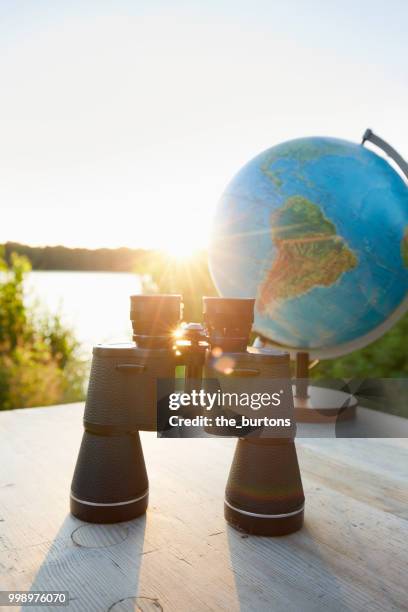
<point x="39" y="357"/>
<point x="387" y="357"/>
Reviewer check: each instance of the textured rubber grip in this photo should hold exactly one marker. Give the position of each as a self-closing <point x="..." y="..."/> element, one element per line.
<point x="264" y="493"/>
<point x="122" y="386"/>
<point x="110" y="469"/>
<point x="265" y="477"/>
<point x="110" y="480"/>
<point x="110" y="474"/>
<point x="248" y="372"/>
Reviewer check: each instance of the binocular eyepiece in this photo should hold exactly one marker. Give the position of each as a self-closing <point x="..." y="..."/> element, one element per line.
<point x="264" y="493"/>
<point x="155" y="318"/>
<point x="229" y="322"/>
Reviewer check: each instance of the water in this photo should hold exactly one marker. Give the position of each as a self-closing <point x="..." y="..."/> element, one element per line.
<point x="94" y="304"/>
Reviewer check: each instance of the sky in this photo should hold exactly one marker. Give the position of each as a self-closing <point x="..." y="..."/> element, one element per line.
<point x="121" y="122"/>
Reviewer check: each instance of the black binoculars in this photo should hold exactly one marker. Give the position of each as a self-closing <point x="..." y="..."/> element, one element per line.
<point x="264" y="493"/>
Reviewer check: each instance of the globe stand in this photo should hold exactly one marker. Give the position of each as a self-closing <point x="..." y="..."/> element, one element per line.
<point x="319" y="404"/>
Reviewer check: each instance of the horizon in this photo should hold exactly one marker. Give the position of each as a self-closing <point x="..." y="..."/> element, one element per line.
<point x="142" y="163"/>
<point x="72" y="248"/>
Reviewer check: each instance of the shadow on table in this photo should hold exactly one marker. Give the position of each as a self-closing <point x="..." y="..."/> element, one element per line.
<point x="284" y="573"/>
<point x="98" y="565"/>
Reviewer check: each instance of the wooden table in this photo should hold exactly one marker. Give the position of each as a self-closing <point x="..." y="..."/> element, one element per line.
<point x="351" y="555"/>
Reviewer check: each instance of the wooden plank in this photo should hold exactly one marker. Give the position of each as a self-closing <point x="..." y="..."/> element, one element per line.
<point x="387" y="493"/>
<point x="351" y="555"/>
<point x="381" y="456"/>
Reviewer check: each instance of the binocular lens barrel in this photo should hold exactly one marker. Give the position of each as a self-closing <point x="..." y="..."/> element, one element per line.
<point x="229" y="322"/>
<point x="110" y="481"/>
<point x="264" y="493"/>
<point x="154" y="316"/>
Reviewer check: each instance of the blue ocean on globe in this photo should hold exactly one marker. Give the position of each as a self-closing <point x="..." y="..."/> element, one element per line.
<point x="317" y="230"/>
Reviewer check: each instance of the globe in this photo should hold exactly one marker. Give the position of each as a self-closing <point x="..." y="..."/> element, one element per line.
<point x="317" y="230"/>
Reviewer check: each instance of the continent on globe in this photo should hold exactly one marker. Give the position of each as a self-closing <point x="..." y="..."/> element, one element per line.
<point x="309" y="253"/>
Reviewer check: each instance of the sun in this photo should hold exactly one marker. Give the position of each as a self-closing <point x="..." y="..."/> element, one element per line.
<point x="183" y="245"/>
<point x="181" y="249"/>
<point x="184" y="237"/>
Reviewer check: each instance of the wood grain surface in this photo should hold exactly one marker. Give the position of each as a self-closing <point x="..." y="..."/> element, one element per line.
<point x="351" y="555"/>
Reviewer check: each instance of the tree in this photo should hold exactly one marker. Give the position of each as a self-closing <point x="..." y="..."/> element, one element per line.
<point x="39" y="357"/>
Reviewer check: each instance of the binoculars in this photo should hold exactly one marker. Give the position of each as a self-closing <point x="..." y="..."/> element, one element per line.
<point x="264" y="493"/>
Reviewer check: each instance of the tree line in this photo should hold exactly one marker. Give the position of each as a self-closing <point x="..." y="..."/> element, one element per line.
<point x="64" y="258"/>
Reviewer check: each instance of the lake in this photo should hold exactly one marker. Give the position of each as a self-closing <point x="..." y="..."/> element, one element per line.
<point x="95" y="304"/>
